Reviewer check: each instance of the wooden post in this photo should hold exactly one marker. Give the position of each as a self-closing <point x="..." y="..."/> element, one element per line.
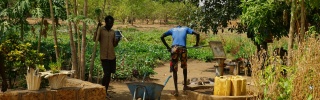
<point x="220" y="68"/>
<point x="219" y="56"/>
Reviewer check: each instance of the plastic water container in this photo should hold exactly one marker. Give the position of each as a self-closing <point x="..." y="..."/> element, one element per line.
<point x="222" y="86"/>
<point x="238" y="86"/>
<point x="118" y="35"/>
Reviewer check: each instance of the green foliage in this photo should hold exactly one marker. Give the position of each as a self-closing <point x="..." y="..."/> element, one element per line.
<point x="42" y="9"/>
<point x="128" y="10"/>
<point x="314" y="4"/>
<point x="275" y="85"/>
<point x="203" y="54"/>
<point x="40" y="67"/>
<point x="15" y="16"/>
<point x="81" y="18"/>
<point x="142" y="53"/>
<point x="235" y="45"/>
<point x="265" y="19"/>
<point x="215" y="14"/>
<point x="182" y="12"/>
<point x="55" y="67"/>
<point x="19" y="56"/>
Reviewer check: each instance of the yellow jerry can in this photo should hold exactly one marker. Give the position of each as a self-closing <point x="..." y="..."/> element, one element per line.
<point x="238" y="86"/>
<point x="222" y="86"/>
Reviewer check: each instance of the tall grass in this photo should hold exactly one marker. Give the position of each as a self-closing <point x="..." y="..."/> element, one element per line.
<point x="301" y="81"/>
<point x="307" y="64"/>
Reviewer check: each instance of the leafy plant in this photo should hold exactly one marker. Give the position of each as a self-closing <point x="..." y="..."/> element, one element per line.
<point x="40" y="67"/>
<point x="55" y="67"/>
<point x="19" y="56"/>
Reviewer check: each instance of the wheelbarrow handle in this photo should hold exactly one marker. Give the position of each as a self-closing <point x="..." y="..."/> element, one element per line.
<point x="167" y="80"/>
<point x="144" y="77"/>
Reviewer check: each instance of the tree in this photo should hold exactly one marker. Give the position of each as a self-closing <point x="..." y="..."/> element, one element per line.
<point x="183" y="11"/>
<point x="215" y="14"/>
<point x="59" y="11"/>
<point x="75" y="25"/>
<point x="15" y="13"/>
<point x="303" y="19"/>
<point x="83" y="45"/>
<point x="40" y="10"/>
<point x="13" y="16"/>
<point x="264" y="20"/>
<point x="133" y="8"/>
<point x="72" y="44"/>
<point x="54" y="31"/>
<point x="291" y="30"/>
<point x="155" y="14"/>
<point x="121" y="11"/>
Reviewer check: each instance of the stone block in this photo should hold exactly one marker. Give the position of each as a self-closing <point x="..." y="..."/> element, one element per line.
<point x="12" y="95"/>
<point x="74" y="89"/>
<point x="33" y="95"/>
<point x="66" y="93"/>
<point x="92" y="93"/>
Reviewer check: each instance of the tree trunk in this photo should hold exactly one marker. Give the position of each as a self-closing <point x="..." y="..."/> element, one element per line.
<point x="291" y="31"/>
<point x="75" y="25"/>
<point x="93" y="57"/>
<point x="2" y="73"/>
<point x="39" y="38"/>
<point x="303" y="19"/>
<point x="79" y="51"/>
<point x="83" y="45"/>
<point x="54" y="31"/>
<point x="72" y="44"/>
<point x="109" y="6"/>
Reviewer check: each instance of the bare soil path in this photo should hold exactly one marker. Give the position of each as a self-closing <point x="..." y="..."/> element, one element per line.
<point x="120" y="91"/>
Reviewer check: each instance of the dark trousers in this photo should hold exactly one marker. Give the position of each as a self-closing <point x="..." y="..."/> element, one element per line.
<point x="109" y="66"/>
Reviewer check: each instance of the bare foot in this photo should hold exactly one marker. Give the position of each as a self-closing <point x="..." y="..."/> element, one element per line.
<point x="186" y="88"/>
<point x="175" y="93"/>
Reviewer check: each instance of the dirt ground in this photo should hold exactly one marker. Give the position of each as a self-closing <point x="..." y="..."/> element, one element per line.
<point x="120" y="91"/>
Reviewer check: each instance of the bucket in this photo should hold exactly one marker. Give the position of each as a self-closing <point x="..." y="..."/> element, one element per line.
<point x="222" y="86"/>
<point x="238" y="86"/>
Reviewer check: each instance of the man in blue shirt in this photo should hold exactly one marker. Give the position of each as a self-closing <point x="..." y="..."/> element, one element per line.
<point x="178" y="51"/>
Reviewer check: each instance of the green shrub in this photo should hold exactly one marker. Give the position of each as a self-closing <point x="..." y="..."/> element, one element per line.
<point x="19" y="55"/>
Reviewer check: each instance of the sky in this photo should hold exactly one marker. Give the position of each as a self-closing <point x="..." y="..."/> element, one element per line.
<point x="201" y="3"/>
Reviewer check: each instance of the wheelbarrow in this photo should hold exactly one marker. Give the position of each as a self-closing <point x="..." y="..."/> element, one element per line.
<point x="146" y="90"/>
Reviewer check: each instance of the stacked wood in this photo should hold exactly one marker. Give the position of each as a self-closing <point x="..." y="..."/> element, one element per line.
<point x="33" y="79"/>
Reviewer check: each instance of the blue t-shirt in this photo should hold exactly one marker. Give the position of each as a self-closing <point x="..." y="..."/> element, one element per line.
<point x="179" y="35"/>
